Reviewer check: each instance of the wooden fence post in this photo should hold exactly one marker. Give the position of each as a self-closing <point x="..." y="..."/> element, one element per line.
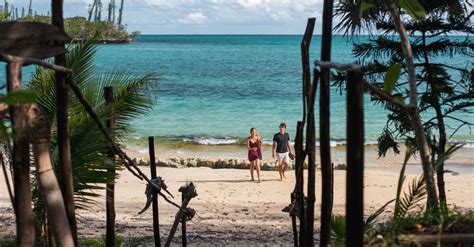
<point x="355" y="160"/>
<point x="64" y="148"/>
<point x="183" y="223"/>
<point x="299" y="163"/>
<point x="21" y="163"/>
<point x="156" y="222"/>
<point x="311" y="152"/>
<point x="324" y="128"/>
<point x="110" y="190"/>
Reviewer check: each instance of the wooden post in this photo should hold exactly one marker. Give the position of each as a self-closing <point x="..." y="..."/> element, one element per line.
<point x="21" y="163"/>
<point x="293" y="221"/>
<point x="324" y="128"/>
<point x="183" y="224"/>
<point x="311" y="151"/>
<point x="355" y="160"/>
<point x="189" y="192"/>
<point x="299" y="161"/>
<point x="64" y="149"/>
<point x="110" y="191"/>
<point x="156" y="222"/>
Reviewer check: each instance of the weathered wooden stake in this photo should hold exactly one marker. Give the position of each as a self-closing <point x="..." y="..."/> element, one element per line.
<point x="309" y="118"/>
<point x="64" y="149"/>
<point x="324" y="128"/>
<point x="183" y="223"/>
<point x="355" y="160"/>
<point x="110" y="191"/>
<point x="311" y="152"/>
<point x="21" y="163"/>
<point x="189" y="192"/>
<point x="299" y="161"/>
<point x="156" y="222"/>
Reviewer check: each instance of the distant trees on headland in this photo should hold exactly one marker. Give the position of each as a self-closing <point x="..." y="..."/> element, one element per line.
<point x="106" y="30"/>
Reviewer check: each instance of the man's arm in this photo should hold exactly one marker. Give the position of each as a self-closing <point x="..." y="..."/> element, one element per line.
<point x="289" y="146"/>
<point x="273" y="149"/>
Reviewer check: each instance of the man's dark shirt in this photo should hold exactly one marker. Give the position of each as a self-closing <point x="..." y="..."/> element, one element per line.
<point x="282" y="142"/>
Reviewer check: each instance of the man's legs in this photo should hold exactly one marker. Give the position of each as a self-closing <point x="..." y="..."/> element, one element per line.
<point x="284" y="166"/>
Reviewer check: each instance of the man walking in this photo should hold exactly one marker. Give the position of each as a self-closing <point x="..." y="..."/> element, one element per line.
<point x="281" y="142"/>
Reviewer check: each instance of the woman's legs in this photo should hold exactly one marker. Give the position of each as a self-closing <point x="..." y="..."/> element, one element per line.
<point x="251" y="169"/>
<point x="257" y="166"/>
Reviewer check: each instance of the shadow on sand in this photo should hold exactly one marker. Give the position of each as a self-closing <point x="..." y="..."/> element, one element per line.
<point x="230" y="181"/>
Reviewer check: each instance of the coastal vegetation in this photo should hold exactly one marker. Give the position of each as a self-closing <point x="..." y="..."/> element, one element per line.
<point x="104" y="30"/>
<point x="444" y="90"/>
<point x="91" y="164"/>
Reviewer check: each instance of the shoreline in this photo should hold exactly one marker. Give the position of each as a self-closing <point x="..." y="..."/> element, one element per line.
<point x="235" y="156"/>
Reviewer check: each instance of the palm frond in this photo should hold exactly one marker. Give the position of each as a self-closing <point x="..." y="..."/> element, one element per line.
<point x="370" y="221"/>
<point x="401" y="180"/>
<point x="416" y="193"/>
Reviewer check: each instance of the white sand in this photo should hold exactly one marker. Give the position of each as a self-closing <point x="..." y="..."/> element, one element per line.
<point x="230" y="208"/>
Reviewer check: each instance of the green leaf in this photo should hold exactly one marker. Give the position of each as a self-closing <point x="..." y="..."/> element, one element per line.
<point x="4" y="134"/>
<point x="391" y="77"/>
<point x="414" y="9"/>
<point x="365" y="6"/>
<point x="21" y="96"/>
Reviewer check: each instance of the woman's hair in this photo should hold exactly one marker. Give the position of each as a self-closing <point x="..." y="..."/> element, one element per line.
<point x="251" y="129"/>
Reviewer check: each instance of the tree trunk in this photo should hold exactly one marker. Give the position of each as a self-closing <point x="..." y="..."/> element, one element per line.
<point x="39" y="132"/>
<point x="21" y="163"/>
<point x="120" y="14"/>
<point x="432" y="200"/>
<point x="439" y="151"/>
<point x="64" y="148"/>
<point x="441" y="148"/>
<point x="110" y="191"/>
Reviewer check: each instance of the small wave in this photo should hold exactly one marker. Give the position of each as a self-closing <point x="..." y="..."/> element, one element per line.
<point x="211" y="140"/>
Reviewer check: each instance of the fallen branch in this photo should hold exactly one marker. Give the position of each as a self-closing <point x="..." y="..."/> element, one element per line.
<point x="29" y="60"/>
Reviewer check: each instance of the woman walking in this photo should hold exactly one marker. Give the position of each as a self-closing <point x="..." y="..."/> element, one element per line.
<point x="254" y="145"/>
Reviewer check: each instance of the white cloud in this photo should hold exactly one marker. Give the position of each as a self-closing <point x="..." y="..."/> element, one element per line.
<point x="249" y="3"/>
<point x="193" y="18"/>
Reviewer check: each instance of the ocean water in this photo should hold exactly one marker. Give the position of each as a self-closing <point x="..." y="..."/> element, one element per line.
<point x="214" y="88"/>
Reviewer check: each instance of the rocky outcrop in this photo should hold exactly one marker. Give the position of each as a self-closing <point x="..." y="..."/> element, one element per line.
<point x="211" y="163"/>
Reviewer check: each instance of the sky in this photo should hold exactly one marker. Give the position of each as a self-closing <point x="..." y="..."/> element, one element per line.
<point x="202" y="16"/>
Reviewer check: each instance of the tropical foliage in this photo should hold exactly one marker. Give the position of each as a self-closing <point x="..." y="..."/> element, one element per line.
<point x="88" y="146"/>
<point x="444" y="90"/>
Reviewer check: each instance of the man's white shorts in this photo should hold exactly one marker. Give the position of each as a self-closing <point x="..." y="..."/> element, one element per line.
<point x="282" y="158"/>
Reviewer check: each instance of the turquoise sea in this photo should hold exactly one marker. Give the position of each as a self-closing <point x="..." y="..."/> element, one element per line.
<point x="214" y="88"/>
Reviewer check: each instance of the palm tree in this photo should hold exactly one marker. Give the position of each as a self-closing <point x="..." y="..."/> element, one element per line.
<point x="89" y="153"/>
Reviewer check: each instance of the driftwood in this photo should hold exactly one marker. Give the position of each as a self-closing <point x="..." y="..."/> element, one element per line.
<point x="38" y="127"/>
<point x="189" y="192"/>
<point x="151" y="190"/>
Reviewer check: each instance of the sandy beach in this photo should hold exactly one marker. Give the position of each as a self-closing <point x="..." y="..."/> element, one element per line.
<point x="232" y="210"/>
